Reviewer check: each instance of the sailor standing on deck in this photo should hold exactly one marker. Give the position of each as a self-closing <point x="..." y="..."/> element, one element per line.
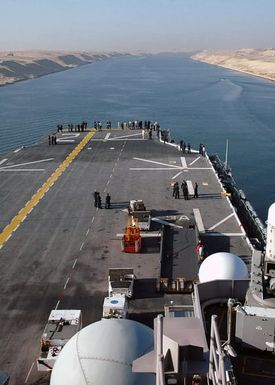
<point x="183" y="186"/>
<point x="185" y="192"/>
<point x="175" y="189"/>
<point x="196" y="195"/>
<point x="96" y="194"/>
<point x="99" y="201"/>
<point x="201" y="251"/>
<point x="108" y="201"/>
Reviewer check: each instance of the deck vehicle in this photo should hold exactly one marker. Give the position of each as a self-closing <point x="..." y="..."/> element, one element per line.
<point x="138" y="212"/>
<point x="61" y="326"/>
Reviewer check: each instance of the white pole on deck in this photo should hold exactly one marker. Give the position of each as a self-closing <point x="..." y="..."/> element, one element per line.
<point x="159" y="349"/>
<point x="226" y="155"/>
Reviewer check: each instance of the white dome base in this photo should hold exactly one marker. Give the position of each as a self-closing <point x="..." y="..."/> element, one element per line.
<point x="222" y="266"/>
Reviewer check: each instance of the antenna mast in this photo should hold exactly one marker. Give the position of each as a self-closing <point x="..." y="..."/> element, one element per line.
<point x="226" y="155"/>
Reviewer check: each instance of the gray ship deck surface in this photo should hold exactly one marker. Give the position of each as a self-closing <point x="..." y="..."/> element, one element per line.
<point x="60" y="254"/>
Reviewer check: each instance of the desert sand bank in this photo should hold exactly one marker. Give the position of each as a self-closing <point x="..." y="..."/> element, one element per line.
<point x="23" y="65"/>
<point x="257" y="62"/>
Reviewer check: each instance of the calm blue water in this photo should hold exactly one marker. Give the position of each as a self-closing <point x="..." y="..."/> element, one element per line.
<point x="199" y="102"/>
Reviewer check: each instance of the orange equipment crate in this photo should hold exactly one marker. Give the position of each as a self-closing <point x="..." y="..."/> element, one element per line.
<point x="131" y="240"/>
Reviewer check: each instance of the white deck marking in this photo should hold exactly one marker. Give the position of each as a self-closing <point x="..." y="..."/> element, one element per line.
<point x="87" y="232"/>
<point x="190" y="187"/>
<point x="230" y="204"/>
<point x="18" y="149"/>
<point x="69" y="138"/>
<point x="222" y="221"/>
<point x="123" y="139"/>
<point x="150" y="168"/>
<point x="81" y="247"/>
<point x="178" y="174"/>
<point x="190" y="164"/>
<point x="8" y="237"/>
<point x="57" y="304"/>
<point x="74" y="263"/>
<point x="3" y="161"/>
<point x="93" y="219"/>
<point x="107" y="136"/>
<point x="226" y="234"/>
<point x="65" y="286"/>
<point x="198" y="219"/>
<point x="183" y="162"/>
<point x="161" y="164"/>
<point x="24" y="164"/>
<point x="21" y="169"/>
<point x="200" y="168"/>
<point x="126" y="136"/>
<point x="29" y="373"/>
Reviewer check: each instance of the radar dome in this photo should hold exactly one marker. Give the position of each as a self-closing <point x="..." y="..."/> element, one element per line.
<point x="222" y="266"/>
<point x="102" y="354"/>
<point x="271" y="214"/>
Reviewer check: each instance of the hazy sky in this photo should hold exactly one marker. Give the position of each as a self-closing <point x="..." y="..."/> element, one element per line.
<point x="136" y="24"/>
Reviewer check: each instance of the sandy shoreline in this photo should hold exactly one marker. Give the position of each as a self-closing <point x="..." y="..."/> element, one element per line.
<point x="26" y="65"/>
<point x="260" y="63"/>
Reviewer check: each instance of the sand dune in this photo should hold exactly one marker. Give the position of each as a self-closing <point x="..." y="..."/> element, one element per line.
<point x="22" y="65"/>
<point x="258" y="62"/>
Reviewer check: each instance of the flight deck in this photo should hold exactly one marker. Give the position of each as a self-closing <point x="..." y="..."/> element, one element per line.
<point x="56" y="247"/>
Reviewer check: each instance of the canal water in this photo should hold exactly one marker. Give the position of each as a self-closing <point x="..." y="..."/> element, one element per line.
<point x="200" y="103"/>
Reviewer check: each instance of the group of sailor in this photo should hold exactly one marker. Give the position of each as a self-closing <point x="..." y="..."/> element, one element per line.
<point x="185" y="148"/>
<point x="80" y="127"/>
<point x="139" y="124"/>
<point x="135" y="124"/>
<point x="184" y="187"/>
<point x="97" y="200"/>
<point x="52" y="140"/>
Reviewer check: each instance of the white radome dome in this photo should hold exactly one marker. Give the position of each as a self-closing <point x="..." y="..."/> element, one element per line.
<point x="222" y="266"/>
<point x="102" y="354"/>
<point x="271" y="215"/>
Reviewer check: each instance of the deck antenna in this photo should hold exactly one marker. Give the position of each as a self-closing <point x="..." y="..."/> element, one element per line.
<point x="226" y="155"/>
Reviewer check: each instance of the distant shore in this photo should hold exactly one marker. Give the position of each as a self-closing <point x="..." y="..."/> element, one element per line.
<point x="25" y="65"/>
<point x="255" y="62"/>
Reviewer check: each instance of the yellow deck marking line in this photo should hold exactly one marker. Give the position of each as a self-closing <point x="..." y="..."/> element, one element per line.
<point x="19" y="218"/>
